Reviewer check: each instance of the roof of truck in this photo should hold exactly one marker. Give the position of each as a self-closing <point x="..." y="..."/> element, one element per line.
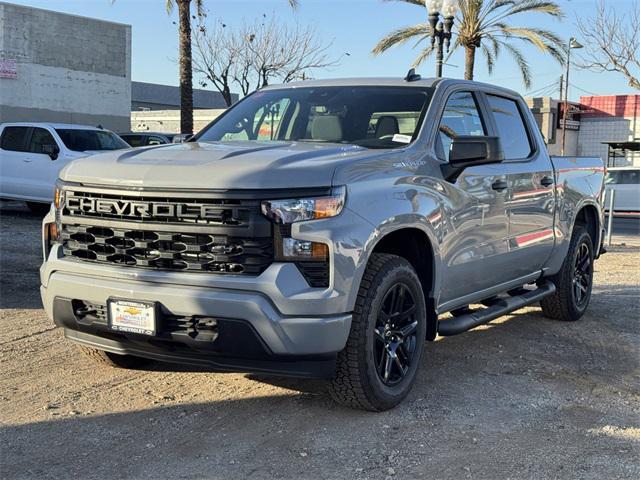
<point x="67" y="126"/>
<point x="387" y="82"/>
<point x="364" y="81"/>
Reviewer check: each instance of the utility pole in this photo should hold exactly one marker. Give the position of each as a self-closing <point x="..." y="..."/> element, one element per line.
<point x="561" y="86"/>
<point x="573" y="43"/>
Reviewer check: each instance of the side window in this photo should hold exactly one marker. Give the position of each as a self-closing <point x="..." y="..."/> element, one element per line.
<point x="14" y="139"/>
<point x="630" y="177"/>
<point x="134" y="140"/>
<point x="511" y="128"/>
<point x="39" y="138"/>
<point x="460" y="117"/>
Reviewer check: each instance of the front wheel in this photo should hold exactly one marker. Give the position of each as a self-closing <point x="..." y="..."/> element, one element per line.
<point x="378" y="366"/>
<point x="573" y="282"/>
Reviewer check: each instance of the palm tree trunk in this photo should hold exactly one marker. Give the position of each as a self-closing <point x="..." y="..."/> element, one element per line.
<point x="469" y="61"/>
<point x="186" y="70"/>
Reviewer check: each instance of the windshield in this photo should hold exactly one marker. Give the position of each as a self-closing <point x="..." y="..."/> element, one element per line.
<point x="84" y="140"/>
<point x="372" y="117"/>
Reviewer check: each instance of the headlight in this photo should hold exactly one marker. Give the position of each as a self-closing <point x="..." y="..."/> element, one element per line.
<point x="302" y="209"/>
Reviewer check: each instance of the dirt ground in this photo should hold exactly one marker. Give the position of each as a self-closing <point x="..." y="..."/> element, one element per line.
<point x="524" y="397"/>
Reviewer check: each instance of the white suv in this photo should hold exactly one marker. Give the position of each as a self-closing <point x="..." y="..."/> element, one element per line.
<point x="32" y="155"/>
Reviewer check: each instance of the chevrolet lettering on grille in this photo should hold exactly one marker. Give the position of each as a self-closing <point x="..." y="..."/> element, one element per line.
<point x="140" y="209"/>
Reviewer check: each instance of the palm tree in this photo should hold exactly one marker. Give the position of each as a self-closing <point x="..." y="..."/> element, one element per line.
<point x="185" y="57"/>
<point x="482" y="24"/>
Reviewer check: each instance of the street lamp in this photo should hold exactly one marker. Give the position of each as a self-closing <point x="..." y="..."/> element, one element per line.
<point x="573" y="43"/>
<point x="441" y="30"/>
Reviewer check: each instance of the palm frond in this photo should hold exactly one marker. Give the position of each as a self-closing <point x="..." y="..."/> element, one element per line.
<point x="424" y="54"/>
<point x="522" y="63"/>
<point x="489" y="57"/>
<point x="420" y="3"/>
<point x="401" y="36"/>
<point x="539" y="38"/>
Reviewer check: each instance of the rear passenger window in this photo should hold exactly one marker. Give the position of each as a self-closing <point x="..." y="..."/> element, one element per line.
<point x="39" y="138"/>
<point x="14" y="139"/>
<point x="460" y="117"/>
<point x="511" y="128"/>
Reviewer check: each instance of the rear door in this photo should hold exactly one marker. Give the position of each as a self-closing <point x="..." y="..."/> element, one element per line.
<point x="15" y="162"/>
<point x="531" y="199"/>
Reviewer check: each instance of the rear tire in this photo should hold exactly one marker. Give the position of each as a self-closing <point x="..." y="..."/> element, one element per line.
<point x="378" y="366"/>
<point x="574" y="280"/>
<point x="39" y="208"/>
<point x="113" y="359"/>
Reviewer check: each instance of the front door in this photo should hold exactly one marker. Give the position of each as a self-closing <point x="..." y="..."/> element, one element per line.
<point x="474" y="246"/>
<point x="43" y="169"/>
<point x="14" y="161"/>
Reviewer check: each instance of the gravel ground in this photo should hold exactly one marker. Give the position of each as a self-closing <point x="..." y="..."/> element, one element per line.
<point x="524" y="397"/>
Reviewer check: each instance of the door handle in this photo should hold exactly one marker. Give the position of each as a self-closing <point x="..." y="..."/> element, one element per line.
<point x="27" y="160"/>
<point x="546" y="181"/>
<point x="499" y="185"/>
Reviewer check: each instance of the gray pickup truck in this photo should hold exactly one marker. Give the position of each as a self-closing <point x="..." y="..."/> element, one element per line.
<point x="323" y="229"/>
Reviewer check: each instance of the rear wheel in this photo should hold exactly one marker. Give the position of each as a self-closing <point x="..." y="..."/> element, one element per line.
<point x="378" y="366"/>
<point x="573" y="282"/>
<point x="113" y="359"/>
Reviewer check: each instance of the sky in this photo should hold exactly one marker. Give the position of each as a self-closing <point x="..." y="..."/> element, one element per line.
<point x="354" y="27"/>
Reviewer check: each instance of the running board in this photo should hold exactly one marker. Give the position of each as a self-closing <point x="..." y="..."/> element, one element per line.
<point x="500" y="307"/>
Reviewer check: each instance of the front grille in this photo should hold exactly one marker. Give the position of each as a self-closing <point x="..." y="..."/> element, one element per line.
<point x="227" y="235"/>
<point x="197" y="252"/>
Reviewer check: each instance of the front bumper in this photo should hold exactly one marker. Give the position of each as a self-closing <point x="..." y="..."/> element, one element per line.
<point x="293" y="322"/>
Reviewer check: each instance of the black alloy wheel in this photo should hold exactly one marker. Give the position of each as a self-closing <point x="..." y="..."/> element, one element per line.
<point x="395" y="335"/>
<point x="582" y="275"/>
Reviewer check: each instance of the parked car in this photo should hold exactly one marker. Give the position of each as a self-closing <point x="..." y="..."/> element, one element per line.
<point x="144" y="139"/>
<point x="625" y="181"/>
<point x="323" y="228"/>
<point x="32" y="155"/>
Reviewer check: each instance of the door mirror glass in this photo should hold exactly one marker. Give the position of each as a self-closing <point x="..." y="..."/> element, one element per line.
<point x="52" y="150"/>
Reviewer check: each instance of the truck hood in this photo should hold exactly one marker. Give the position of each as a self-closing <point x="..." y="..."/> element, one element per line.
<point x="215" y="165"/>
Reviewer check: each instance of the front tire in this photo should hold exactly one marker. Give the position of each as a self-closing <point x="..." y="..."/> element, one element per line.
<point x="573" y="282"/>
<point x="378" y="366"/>
<point x="113" y="359"/>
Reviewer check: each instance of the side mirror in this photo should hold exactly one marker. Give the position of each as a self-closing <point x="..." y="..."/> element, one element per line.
<point x="468" y="151"/>
<point x="52" y="150"/>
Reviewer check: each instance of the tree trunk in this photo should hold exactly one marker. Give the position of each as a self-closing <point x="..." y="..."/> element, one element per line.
<point x="226" y="94"/>
<point x="186" y="69"/>
<point x="469" y="61"/>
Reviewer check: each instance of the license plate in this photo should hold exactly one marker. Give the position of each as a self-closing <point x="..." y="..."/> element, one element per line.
<point x="132" y="317"/>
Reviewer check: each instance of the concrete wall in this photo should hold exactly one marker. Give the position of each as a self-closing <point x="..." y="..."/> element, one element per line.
<point x="168" y="121"/>
<point x="69" y="69"/>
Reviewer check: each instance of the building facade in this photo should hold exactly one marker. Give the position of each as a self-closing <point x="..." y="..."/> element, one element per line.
<point x="168" y="121"/>
<point x="596" y="125"/>
<point x="56" y="67"/>
<point x="152" y="96"/>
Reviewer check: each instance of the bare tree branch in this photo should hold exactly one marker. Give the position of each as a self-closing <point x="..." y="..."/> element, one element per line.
<point x="258" y="54"/>
<point x="612" y="42"/>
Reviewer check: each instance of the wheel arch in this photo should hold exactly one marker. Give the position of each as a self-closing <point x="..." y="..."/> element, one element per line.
<point x="415" y="245"/>
<point x="588" y="216"/>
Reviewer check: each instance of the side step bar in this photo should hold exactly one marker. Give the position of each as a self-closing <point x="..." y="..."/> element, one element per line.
<point x="500" y="307"/>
